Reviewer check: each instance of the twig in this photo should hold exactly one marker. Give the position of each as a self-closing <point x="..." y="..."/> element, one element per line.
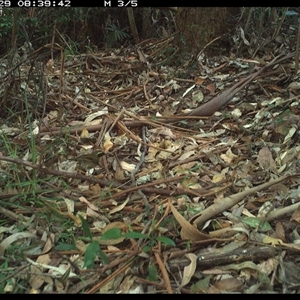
<point x="102" y="182"/>
<point x="137" y="167"/>
<point x="232" y="200"/>
<point x="164" y="273"/>
<point x="100" y="284"/>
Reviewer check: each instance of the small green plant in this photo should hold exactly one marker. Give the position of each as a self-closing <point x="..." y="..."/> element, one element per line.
<point x="93" y="248"/>
<point x="115" y="233"/>
<point x="114" y="35"/>
<point x="8" y="282"/>
<point x="152" y="240"/>
<point x="6" y="23"/>
<point x="72" y="48"/>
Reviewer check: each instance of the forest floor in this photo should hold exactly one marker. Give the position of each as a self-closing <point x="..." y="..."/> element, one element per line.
<point x="106" y="188"/>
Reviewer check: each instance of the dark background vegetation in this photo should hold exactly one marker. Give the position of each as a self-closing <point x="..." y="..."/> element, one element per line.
<point x="81" y="27"/>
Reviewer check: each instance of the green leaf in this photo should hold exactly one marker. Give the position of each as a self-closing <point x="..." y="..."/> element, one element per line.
<point x="146" y="249"/>
<point x="65" y="247"/>
<point x="90" y="254"/>
<point x="103" y="257"/>
<point x="201" y="285"/>
<point x="111" y="234"/>
<point x="257" y="223"/>
<point x="166" y="241"/>
<point x="85" y="227"/>
<point x="135" y="235"/>
<point x="152" y="273"/>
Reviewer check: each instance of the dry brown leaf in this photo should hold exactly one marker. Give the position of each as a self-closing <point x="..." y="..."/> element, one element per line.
<point x="88" y="203"/>
<point x="37" y="279"/>
<point x="119" y="207"/>
<point x="126" y="284"/>
<point x="188" y="231"/>
<point x="229" y="157"/>
<point x="70" y="204"/>
<point x="229" y="285"/>
<point x="107" y="145"/>
<point x="280" y="232"/>
<point x="296" y="215"/>
<point x="85" y="135"/>
<point x="290" y="134"/>
<point x="49" y="243"/>
<point x="200" y="80"/>
<point x="265" y="159"/>
<point x="211" y="87"/>
<point x="189" y="270"/>
<point x="92" y="214"/>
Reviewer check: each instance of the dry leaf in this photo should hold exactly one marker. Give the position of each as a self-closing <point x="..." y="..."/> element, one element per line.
<point x="88" y="203"/>
<point x="296" y="215"/>
<point x="85" y="135"/>
<point x="290" y="134"/>
<point x="280" y="232"/>
<point x="265" y="159"/>
<point x="200" y="80"/>
<point x="126" y="284"/>
<point x="107" y="145"/>
<point x="119" y="207"/>
<point x="229" y="285"/>
<point x="189" y="270"/>
<point x="13" y="238"/>
<point x="188" y="231"/>
<point x="211" y="87"/>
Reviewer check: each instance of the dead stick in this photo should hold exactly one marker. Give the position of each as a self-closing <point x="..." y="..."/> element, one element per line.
<point x="126" y="189"/>
<point x="232" y="200"/>
<point x="209" y="108"/>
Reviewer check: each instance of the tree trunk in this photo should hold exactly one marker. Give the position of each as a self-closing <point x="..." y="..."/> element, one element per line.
<point x="198" y="26"/>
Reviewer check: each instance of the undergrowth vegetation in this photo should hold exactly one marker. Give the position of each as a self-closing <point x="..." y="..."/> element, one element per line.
<point x="108" y="183"/>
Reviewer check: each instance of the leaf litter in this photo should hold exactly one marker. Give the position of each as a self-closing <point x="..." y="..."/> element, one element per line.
<point x="112" y="198"/>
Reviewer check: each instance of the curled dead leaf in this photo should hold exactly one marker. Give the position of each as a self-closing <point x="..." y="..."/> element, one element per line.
<point x="188" y="231"/>
<point x="85" y="135"/>
<point x="189" y="270"/>
<point x="107" y="143"/>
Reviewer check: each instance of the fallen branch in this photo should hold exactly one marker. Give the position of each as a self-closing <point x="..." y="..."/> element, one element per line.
<point x="209" y="108"/>
<point x="205" y="261"/>
<point x="232" y="200"/>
